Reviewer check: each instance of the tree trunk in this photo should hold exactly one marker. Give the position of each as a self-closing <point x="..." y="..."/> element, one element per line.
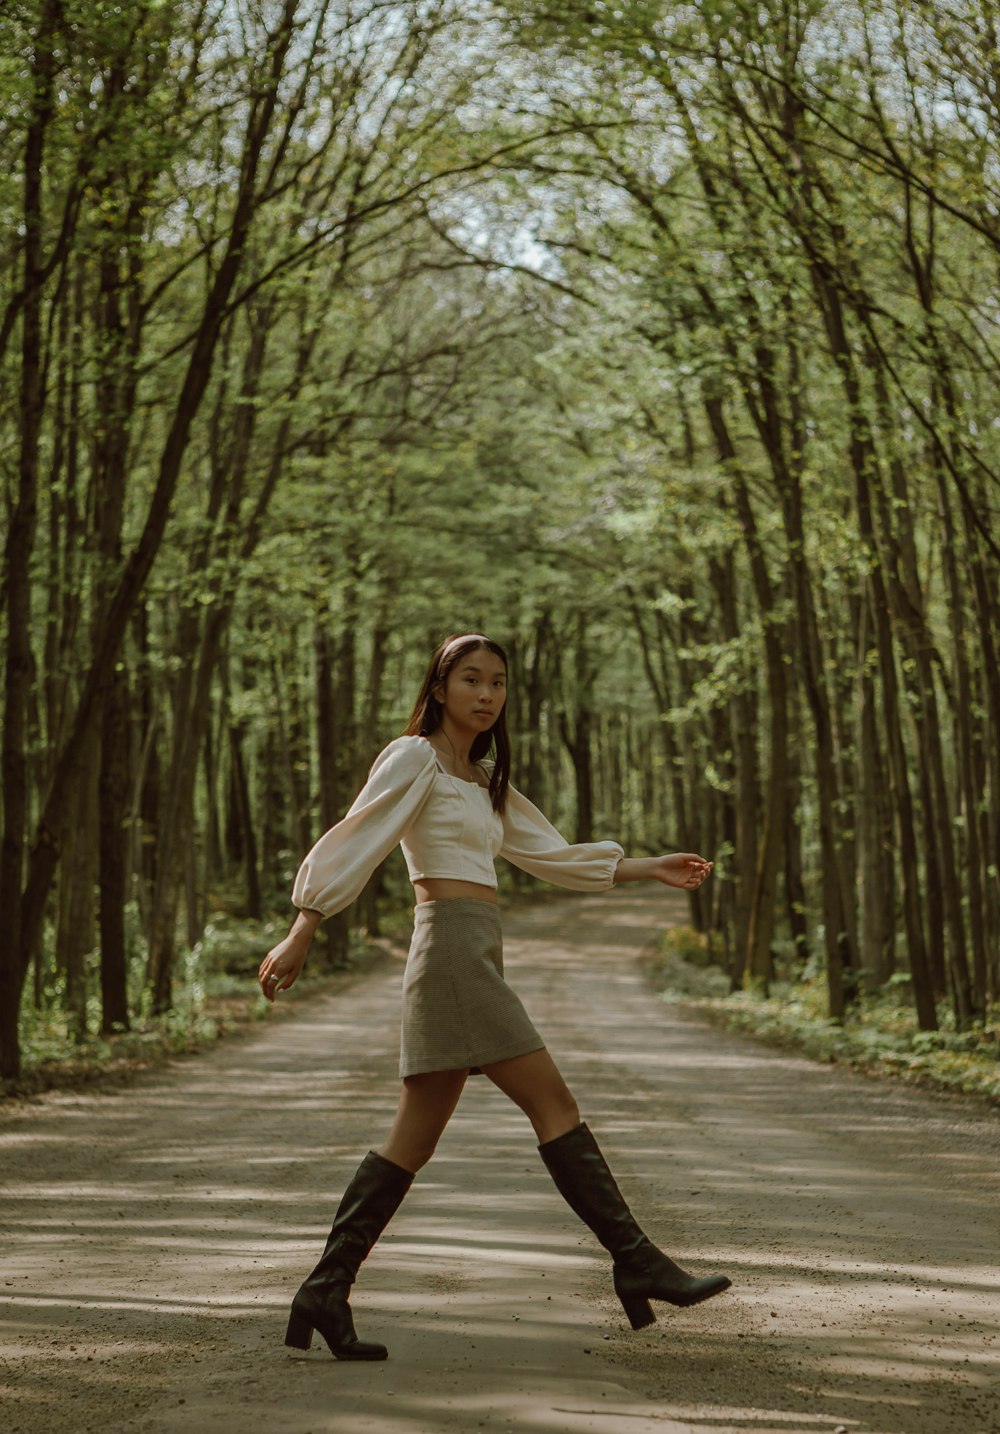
<point x="969" y="997"/>
<point x="577" y="733"/>
<point x="244" y="812"/>
<point x="213" y="825"/>
<point x="77" y="877"/>
<point x="113" y="856"/>
<point x="336" y="928"/>
<point x="534" y="682"/>
<point x="874" y="815"/>
<point x="19" y="937"/>
<point x="115" y="390"/>
<point x="743" y="821"/>
<point x="373" y="708"/>
<point x="795" y="891"/>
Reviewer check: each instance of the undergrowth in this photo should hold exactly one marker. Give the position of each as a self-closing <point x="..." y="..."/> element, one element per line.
<point x="215" y="993"/>
<point x="880" y="1036"/>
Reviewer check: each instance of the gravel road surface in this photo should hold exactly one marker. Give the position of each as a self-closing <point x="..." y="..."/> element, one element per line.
<point x="154" y="1235"/>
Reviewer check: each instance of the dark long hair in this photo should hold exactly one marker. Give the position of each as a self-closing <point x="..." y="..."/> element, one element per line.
<point x="427" y="711"/>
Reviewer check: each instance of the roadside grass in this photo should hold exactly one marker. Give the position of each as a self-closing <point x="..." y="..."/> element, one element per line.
<point x="881" y="1037"/>
<point x="215" y="995"/>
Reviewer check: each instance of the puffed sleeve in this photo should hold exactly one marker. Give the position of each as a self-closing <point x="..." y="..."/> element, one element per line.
<point x="531" y="842"/>
<point x="343" y="859"/>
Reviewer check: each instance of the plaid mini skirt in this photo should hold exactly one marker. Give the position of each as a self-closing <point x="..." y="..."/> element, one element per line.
<point x="458" y="1010"/>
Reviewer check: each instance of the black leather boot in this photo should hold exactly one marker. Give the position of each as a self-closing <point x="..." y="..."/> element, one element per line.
<point x="641" y="1271"/>
<point x="367" y="1206"/>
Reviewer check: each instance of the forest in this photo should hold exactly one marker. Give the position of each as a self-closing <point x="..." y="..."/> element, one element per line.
<point x="660" y="341"/>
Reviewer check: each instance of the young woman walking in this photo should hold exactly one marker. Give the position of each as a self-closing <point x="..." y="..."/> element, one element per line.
<point x="434" y="792"/>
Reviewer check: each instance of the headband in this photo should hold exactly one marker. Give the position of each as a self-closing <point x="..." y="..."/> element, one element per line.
<point x="465" y="637"/>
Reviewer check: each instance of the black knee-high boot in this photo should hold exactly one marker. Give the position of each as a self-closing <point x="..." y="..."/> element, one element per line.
<point x="641" y="1271"/>
<point x="367" y="1206"/>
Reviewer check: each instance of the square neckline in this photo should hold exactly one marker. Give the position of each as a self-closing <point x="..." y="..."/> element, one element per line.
<point x="481" y="786"/>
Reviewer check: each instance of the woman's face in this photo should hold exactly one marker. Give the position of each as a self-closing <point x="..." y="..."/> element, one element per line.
<point x="475" y="690"/>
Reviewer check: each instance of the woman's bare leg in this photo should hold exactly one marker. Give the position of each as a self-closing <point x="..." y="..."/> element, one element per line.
<point x="426" y="1104"/>
<point x="533" y="1082"/>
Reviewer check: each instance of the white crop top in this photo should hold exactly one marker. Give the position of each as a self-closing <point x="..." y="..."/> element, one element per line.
<point x="447" y="828"/>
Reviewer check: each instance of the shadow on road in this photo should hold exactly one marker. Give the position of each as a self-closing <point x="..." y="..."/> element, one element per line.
<point x="155" y="1235"/>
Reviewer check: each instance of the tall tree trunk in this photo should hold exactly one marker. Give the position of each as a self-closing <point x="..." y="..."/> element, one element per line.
<point x="743" y="821"/>
<point x="878" y="885"/>
<point x="654" y="649"/>
<point x="534" y="683"/>
<point x="795" y="891"/>
<point x="113" y="794"/>
<point x="248" y="839"/>
<point x="115" y="390"/>
<point x="18" y="938"/>
<point x="841" y="958"/>
<point x="213" y="825"/>
<point x="336" y="927"/>
<point x="145" y="793"/>
<point x="78" y="873"/>
<point x="969" y="996"/>
<point x="373" y="707"/>
<point x="577" y="731"/>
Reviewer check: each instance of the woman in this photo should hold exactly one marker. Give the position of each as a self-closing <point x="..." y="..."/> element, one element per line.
<point x="433" y="792"/>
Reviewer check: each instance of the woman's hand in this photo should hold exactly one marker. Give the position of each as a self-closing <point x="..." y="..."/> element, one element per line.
<point x="683" y="868"/>
<point x="281" y="966"/>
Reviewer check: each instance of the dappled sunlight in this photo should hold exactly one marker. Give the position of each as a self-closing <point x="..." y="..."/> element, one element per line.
<point x="856" y="1234"/>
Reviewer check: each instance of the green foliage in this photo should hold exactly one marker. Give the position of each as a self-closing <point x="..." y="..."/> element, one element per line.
<point x="684" y="965"/>
<point x="586" y="325"/>
<point x="880" y="1037"/>
<point x="216" y="994"/>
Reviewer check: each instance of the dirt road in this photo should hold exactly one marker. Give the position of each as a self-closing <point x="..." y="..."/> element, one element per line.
<point x="154" y="1236"/>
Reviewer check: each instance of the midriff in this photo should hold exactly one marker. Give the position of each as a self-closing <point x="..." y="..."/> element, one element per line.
<point x="445" y="888"/>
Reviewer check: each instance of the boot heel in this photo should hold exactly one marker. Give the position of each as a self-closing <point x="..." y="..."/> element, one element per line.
<point x="638" y="1309"/>
<point x="634" y="1302"/>
<point x="299" y="1332"/>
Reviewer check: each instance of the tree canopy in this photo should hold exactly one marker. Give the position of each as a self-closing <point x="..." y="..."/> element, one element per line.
<point x="660" y="341"/>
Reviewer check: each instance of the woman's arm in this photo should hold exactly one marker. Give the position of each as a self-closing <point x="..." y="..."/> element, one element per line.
<point x="337" y="868"/>
<point x="531" y="842"/>
<point x="682" y="868"/>
<point x="335" y="871"/>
